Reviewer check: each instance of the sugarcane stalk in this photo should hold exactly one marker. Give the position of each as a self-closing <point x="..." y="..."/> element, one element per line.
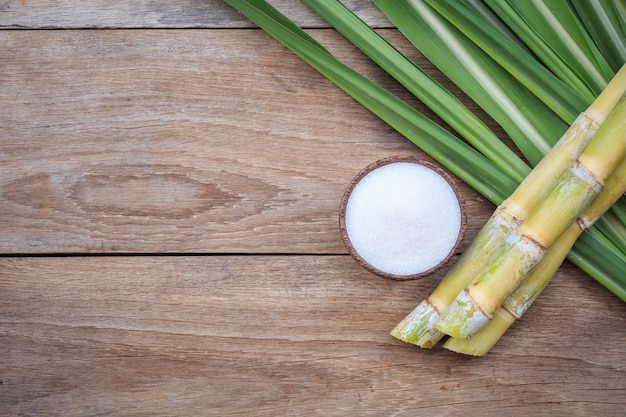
<point x="524" y="248"/>
<point x="492" y="183"/>
<point x="539" y="277"/>
<point x="418" y="326"/>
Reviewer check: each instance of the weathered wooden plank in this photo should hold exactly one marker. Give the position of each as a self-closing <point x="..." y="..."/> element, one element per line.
<point x="179" y="141"/>
<point x="36" y="14"/>
<point x="284" y="335"/>
<point x="220" y="141"/>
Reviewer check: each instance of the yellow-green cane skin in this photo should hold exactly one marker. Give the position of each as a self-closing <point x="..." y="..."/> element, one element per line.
<point x="564" y="153"/>
<point x="417" y="327"/>
<point x="471" y="310"/>
<point x="508" y="216"/>
<point x="563" y="205"/>
<point x="538" y="278"/>
<point x="579" y="183"/>
<point x="608" y="146"/>
<point x="569" y="197"/>
<point x="517" y="303"/>
<point x="486" y="242"/>
<point x="463" y="318"/>
<point x="522" y="251"/>
<point x="532" y="189"/>
<point x="613" y="190"/>
<point x="482" y="342"/>
<point x="475" y="306"/>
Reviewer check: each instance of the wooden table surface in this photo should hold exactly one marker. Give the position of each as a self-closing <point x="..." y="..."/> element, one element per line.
<point x="169" y="187"/>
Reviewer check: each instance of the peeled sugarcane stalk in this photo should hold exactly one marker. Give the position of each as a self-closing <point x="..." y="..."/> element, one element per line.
<point x="524" y="248"/>
<point x="418" y="326"/>
<point x="536" y="280"/>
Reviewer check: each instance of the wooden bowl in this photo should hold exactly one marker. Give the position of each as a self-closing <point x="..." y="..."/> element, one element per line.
<point x="453" y="244"/>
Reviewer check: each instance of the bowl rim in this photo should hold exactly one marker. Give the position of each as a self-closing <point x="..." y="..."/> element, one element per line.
<point x="452" y="182"/>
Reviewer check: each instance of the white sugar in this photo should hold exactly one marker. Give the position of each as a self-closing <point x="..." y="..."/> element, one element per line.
<point x="403" y="218"/>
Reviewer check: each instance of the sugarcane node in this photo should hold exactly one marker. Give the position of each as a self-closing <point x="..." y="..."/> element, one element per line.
<point x="465" y="297"/>
<point x="584" y="223"/>
<point x="510" y="311"/>
<point x="401" y="237"/>
<point x="592" y="172"/>
<point x="539" y="247"/>
<point x="432" y="305"/>
<point x="513" y="210"/>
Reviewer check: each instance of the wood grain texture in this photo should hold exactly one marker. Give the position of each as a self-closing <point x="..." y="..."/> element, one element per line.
<point x="178" y="141"/>
<point x="38" y="14"/>
<point x="176" y="127"/>
<point x="284" y="335"/>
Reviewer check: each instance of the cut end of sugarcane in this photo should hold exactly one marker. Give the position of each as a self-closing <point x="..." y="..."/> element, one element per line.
<point x="417" y="327"/>
<point x="402" y="218"/>
<point x="463" y="318"/>
<point x="482" y="342"/>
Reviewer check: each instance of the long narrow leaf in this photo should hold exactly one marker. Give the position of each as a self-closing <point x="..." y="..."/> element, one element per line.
<point x="533" y="129"/>
<point x="541" y="48"/>
<point x="621" y="213"/>
<point x="604" y="266"/>
<point x="464" y="161"/>
<point x="613" y="230"/>
<point x="601" y="19"/>
<point x="564" y="101"/>
<point x="493" y="20"/>
<point x="436" y="97"/>
<point x="467" y="163"/>
<point x="620" y="10"/>
<point x="553" y="24"/>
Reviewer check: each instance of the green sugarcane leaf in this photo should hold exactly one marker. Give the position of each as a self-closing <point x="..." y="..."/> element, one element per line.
<point x="602" y="21"/>
<point x="531" y="125"/>
<point x="431" y="93"/>
<point x="559" y="97"/>
<point x="612" y="230"/>
<point x="466" y="162"/>
<point x="463" y="160"/>
<point x="620" y="11"/>
<point x="621" y="212"/>
<point x="493" y="20"/>
<point x="556" y="24"/>
<point x="265" y="12"/>
<point x="604" y="266"/>
<point x="542" y="49"/>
